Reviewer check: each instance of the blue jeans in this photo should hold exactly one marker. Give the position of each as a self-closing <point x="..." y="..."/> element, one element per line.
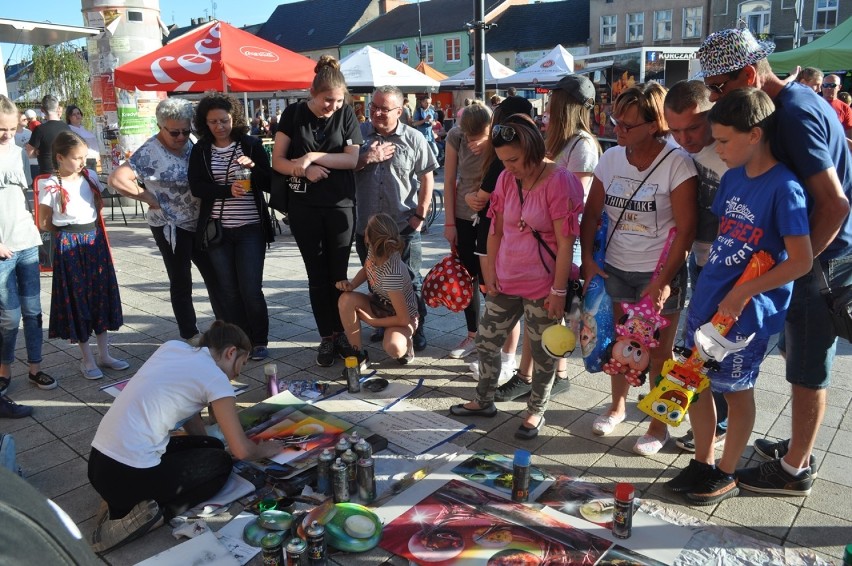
<point x="19" y="297"/>
<point x="238" y="263"/>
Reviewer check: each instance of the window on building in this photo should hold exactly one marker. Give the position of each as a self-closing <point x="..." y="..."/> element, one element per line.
<point x="453" y="49"/>
<point x="692" y="22"/>
<point x="825" y="14"/>
<point x="636" y="27"/>
<point x="427" y="51"/>
<point x="756" y="15"/>
<point x="134" y="16"/>
<point x="609" y="27"/>
<point x="662" y="25"/>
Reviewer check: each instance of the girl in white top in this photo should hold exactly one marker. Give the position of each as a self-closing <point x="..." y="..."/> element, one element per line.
<point x="84" y="298"/>
<point x="138" y="467"/>
<point x="391" y="305"/>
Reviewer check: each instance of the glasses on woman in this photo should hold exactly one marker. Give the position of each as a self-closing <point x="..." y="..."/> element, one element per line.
<point x="619" y="124"/>
<point x="176" y="133"/>
<point x="222" y="122"/>
<point x="501" y="134"/>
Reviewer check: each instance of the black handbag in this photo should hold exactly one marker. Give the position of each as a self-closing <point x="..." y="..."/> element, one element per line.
<point x="839" y="303"/>
<point x="214" y="232"/>
<point x="280" y="188"/>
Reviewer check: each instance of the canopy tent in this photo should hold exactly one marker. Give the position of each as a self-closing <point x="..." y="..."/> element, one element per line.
<point x="219" y="57"/>
<point x="831" y="52"/>
<point x="430" y="71"/>
<point x="368" y="68"/>
<point x="465" y="80"/>
<point x="547" y="70"/>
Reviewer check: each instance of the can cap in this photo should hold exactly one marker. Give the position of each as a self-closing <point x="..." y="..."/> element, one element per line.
<point x="624" y="491"/>
<point x="522" y="457"/>
<point x="351" y="362"/>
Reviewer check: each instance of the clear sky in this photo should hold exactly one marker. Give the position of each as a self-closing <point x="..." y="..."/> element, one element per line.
<point x="69" y="12"/>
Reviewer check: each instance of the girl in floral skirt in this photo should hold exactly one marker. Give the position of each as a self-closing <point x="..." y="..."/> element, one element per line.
<point x="85" y="291"/>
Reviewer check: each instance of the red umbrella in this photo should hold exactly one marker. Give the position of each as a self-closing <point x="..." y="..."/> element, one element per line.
<point x="219" y="57"/>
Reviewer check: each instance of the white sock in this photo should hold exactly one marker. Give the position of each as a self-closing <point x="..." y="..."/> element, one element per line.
<point x="791" y="470"/>
<point x="507" y="359"/>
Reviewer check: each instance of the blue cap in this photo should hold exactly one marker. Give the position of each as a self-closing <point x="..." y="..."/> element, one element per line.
<point x="522" y="457"/>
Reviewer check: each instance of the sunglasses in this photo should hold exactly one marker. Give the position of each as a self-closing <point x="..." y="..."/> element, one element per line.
<point x="503" y="134"/>
<point x="718" y="88"/>
<point x="619" y="124"/>
<point x="176" y="133"/>
<point x="830" y="85"/>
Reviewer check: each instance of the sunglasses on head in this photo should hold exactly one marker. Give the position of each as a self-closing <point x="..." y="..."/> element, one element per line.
<point x="501" y="134"/>
<point x="176" y="133"/>
<point x="830" y="85"/>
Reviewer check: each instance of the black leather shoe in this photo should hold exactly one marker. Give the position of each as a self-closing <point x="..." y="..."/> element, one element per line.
<point x="528" y="433"/>
<point x="461" y="411"/>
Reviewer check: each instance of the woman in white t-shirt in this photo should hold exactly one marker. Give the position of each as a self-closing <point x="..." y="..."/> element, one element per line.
<point x="143" y="472"/>
<point x="646" y="185"/>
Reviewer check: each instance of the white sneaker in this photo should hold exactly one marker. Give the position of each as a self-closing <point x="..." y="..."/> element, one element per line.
<point x="464" y="348"/>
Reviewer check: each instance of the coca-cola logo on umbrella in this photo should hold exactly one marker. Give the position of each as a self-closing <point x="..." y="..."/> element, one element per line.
<point x="548" y="63"/>
<point x="259" y="54"/>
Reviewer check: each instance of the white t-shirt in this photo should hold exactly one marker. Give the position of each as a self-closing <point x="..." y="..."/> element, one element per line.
<point x="22" y="138"/>
<point x="176" y="383"/>
<point x="641" y="234"/>
<point x="583" y="158"/>
<point x="80" y="208"/>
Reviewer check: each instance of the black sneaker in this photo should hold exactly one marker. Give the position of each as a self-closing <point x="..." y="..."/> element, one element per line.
<point x="419" y="339"/>
<point x="11" y="410"/>
<point x="690" y="477"/>
<point x="771" y="477"/>
<point x="362" y="356"/>
<point x="512" y="389"/>
<point x="341" y="345"/>
<point x="43" y="381"/>
<point x="687" y="441"/>
<point x="560" y="384"/>
<point x="325" y="353"/>
<point x="407" y="358"/>
<point x="717" y="486"/>
<point x="777" y="450"/>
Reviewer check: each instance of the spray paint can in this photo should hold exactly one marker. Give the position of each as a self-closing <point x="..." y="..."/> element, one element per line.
<point x="366" y="480"/>
<point x="353" y="439"/>
<point x="271" y="549"/>
<point x="324" y="462"/>
<point x="297" y="552"/>
<point x="339" y="481"/>
<point x="353" y="374"/>
<point x="342" y="446"/>
<point x="271" y="373"/>
<point x="521" y="476"/>
<point x="363" y="449"/>
<point x="351" y="460"/>
<point x="622" y="514"/>
<point x="315" y="534"/>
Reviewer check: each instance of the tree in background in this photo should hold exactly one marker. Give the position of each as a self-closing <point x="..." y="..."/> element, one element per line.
<point x="62" y="70"/>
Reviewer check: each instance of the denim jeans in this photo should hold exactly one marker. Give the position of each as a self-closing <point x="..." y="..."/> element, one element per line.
<point x="19" y="297"/>
<point x="178" y="262"/>
<point x="238" y="263"/>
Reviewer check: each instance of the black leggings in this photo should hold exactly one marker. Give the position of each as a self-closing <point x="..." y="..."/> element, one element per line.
<point x="193" y="469"/>
<point x="324" y="237"/>
<point x="466" y="234"/>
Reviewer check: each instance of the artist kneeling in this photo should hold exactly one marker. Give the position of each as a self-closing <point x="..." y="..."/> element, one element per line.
<point x="144" y="473"/>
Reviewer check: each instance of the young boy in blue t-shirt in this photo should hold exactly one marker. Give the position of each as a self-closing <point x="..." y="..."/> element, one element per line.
<point x="761" y="206"/>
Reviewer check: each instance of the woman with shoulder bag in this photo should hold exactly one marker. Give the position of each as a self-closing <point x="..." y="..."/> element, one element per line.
<point x="234" y="224"/>
<point x="317" y="142"/>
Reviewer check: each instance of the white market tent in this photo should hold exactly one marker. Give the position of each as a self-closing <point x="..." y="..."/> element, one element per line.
<point x="465" y="80"/>
<point x="369" y="68"/>
<point x="546" y="71"/>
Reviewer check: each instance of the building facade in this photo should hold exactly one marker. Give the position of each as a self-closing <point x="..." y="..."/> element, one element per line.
<point x="624" y="24"/>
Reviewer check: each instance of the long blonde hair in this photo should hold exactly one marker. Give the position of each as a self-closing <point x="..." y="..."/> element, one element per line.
<point x="567" y="119"/>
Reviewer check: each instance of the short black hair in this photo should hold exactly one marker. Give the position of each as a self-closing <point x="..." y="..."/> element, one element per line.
<point x="744" y="109"/>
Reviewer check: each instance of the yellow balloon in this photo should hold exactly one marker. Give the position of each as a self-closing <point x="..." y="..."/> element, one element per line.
<point x="558" y="341"/>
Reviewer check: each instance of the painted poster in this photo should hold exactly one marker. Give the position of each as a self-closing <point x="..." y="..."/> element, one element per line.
<point x="460" y="524"/>
<point x="585" y="500"/>
<point x="494" y="470"/>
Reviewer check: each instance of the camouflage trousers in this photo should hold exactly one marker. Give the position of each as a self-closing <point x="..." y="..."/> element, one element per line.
<point x="501" y="314"/>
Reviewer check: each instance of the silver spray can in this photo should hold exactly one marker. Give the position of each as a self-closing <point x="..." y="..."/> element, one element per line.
<point x="363" y="449"/>
<point x="342" y="446"/>
<point x="339" y="481"/>
<point x="296" y="552"/>
<point x="324" y="462"/>
<point x="366" y="480"/>
<point x="351" y="460"/>
<point x="315" y="534"/>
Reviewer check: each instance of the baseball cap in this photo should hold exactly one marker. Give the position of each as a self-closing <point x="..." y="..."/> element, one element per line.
<point x="30" y="114"/>
<point x="580" y="88"/>
<point x="516" y="105"/>
<point x="730" y="50"/>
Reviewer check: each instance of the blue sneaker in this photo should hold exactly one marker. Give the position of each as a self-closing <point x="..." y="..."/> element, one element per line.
<point x="11" y="410"/>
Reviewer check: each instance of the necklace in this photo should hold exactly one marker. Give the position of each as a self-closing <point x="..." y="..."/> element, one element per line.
<point x="522" y="225"/>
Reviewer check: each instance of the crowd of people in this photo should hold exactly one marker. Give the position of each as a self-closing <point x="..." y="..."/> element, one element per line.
<point x="737" y="162"/>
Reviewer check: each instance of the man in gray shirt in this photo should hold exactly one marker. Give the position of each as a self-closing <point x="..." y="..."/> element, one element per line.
<point x="394" y="176"/>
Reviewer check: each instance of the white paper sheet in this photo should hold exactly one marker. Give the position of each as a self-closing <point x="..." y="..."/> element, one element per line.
<point x="412" y="429"/>
<point x="203" y="550"/>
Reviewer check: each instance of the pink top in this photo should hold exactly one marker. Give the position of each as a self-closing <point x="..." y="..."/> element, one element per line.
<point x="520" y="263"/>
